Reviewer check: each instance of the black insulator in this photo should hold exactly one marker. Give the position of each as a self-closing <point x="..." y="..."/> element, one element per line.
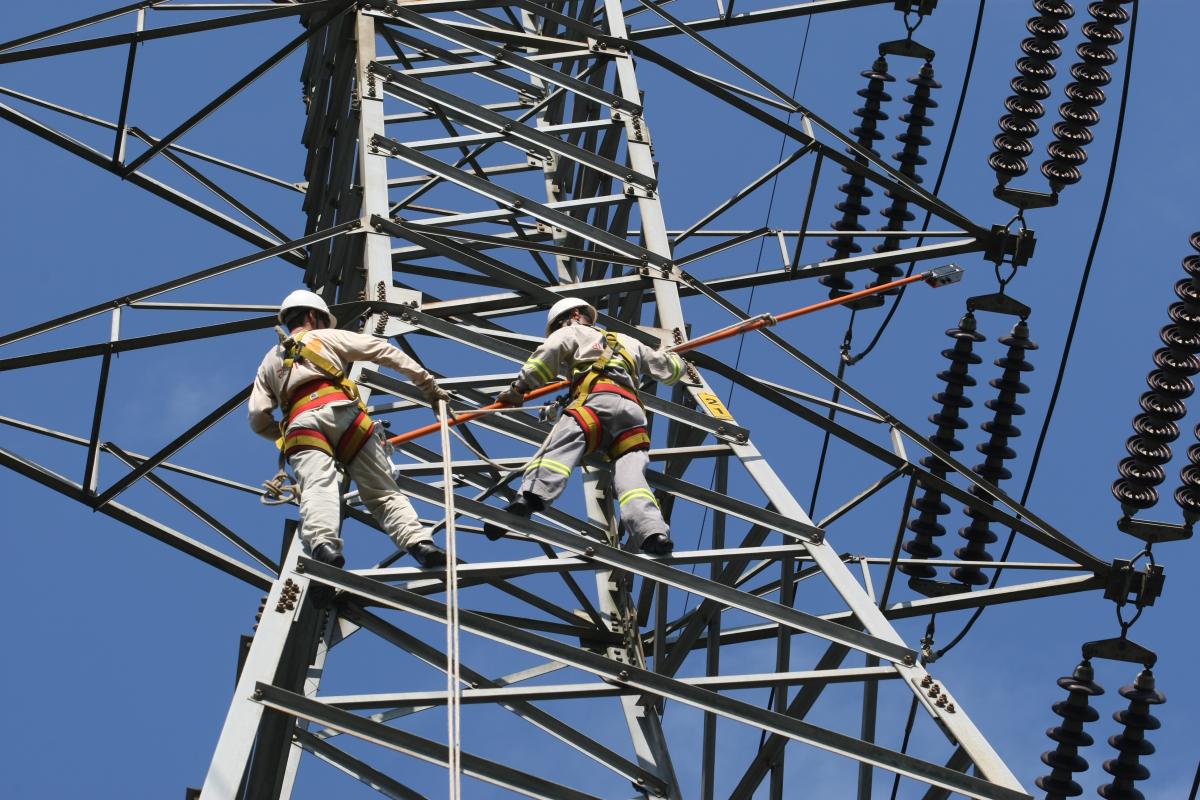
<point x="1029" y="88"/>
<point x="995" y="450"/>
<point x="1085" y="95"/>
<point x="929" y="504"/>
<point x="1064" y="760"/>
<point x="855" y="189"/>
<point x="1186" y="316"/>
<point x="1163" y="406"/>
<point x="910" y="159"/>
<point x="1131" y="743"/>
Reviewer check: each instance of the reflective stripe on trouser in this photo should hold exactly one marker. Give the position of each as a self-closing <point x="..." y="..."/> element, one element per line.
<point x="546" y="476"/>
<point x="320" y="484"/>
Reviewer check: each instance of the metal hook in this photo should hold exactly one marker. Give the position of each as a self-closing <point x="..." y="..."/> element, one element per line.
<point x="910" y="27"/>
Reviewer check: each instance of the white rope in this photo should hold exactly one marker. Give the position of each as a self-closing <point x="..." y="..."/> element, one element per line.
<point x="453" y="669"/>
<point x="505" y="471"/>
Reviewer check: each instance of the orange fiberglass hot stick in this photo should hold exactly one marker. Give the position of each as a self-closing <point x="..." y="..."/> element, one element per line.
<point x="938" y="276"/>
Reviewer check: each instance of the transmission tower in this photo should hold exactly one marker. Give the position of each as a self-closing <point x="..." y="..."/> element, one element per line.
<point x="469" y="163"/>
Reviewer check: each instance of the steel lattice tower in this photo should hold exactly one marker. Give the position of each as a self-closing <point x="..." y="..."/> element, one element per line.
<point x="458" y="144"/>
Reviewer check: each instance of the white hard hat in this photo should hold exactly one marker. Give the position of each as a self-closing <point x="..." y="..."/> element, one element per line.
<point x="303" y="298"/>
<point x="566" y="306"/>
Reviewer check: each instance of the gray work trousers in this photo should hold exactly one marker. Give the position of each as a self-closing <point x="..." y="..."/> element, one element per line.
<point x="546" y="476"/>
<point x="320" y="483"/>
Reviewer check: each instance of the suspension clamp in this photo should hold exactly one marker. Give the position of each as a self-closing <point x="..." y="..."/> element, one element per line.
<point x="1126" y="584"/>
<point x="1005" y="246"/>
<point x="922" y="7"/>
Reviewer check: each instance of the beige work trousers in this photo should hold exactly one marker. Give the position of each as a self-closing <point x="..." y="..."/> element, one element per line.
<point x="320" y="483"/>
<point x="546" y="476"/>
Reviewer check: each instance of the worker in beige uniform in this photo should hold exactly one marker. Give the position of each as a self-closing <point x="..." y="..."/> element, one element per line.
<point x="325" y="426"/>
<point x="604" y="415"/>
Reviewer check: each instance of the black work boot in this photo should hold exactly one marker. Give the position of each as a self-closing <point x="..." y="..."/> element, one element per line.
<point x="524" y="506"/>
<point x="658" y="544"/>
<point x="325" y="553"/>
<point x="428" y="554"/>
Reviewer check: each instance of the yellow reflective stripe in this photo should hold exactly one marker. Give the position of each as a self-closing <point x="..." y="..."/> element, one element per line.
<point x="539" y="366"/>
<point x="553" y="466"/>
<point x="676" y="368"/>
<point x="321" y="444"/>
<point x="634" y="494"/>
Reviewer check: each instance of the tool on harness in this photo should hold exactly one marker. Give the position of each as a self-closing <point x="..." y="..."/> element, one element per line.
<point x="549" y="413"/>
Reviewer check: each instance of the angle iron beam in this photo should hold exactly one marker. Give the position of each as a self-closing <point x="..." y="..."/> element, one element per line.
<point x="139" y="522"/>
<point x="515" y="704"/>
<point x="652" y="570"/>
<point x="427" y="750"/>
<point x="536" y="566"/>
<point x="166" y="465"/>
<point x="772" y="747"/>
<point x="887" y="176"/>
<point x="8" y="56"/>
<point x="143" y="181"/>
<point x="649" y="682"/>
<point x="338" y="7"/>
<point x="1048" y="537"/>
<point x="486" y="69"/>
<point x="366" y="774"/>
<point x="958" y="760"/>
<point x="75" y="25"/>
<point x="482" y="119"/>
<point x="577" y="691"/>
<point x="750" y="17"/>
<point x="180" y="282"/>
<point x="740" y="195"/>
<point x="198" y="511"/>
<point x="722" y="429"/>
<point x="206" y="422"/>
<point x="508" y="58"/>
<point x="735" y="507"/>
<point x="522" y="39"/>
<point x="510" y="241"/>
<point x="517" y="202"/>
<point x="1043" y="532"/>
<point x="136" y="343"/>
<point x="396" y="38"/>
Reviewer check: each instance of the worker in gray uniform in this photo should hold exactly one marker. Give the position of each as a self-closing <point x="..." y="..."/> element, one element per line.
<point x="604" y="415"/>
<point x="325" y="426"/>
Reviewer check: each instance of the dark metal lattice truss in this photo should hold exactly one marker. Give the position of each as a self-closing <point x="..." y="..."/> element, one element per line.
<point x="457" y="145"/>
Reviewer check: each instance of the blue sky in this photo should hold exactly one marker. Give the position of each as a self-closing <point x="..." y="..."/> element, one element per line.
<point x="122" y="651"/>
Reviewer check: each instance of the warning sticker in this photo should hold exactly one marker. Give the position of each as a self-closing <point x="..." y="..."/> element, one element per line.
<point x="714" y="405"/>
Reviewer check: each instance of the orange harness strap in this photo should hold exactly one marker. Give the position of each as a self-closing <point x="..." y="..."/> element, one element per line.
<point x="313" y="394"/>
<point x="631" y="440"/>
<point x="601" y="387"/>
<point x="590" y="422"/>
<point x="299" y="439"/>
<point x="354" y="438"/>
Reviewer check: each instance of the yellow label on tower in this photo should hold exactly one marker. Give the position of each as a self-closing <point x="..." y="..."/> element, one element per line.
<point x="714" y="405"/>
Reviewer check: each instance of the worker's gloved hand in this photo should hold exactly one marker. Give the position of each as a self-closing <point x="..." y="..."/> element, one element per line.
<point x="514" y="395"/>
<point x="433" y="393"/>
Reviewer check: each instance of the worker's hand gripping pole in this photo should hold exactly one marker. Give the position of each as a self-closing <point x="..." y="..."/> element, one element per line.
<point x="458" y="419"/>
<point x="938" y="276"/>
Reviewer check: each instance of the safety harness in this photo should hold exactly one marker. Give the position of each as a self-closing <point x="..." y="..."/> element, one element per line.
<point x="589" y="381"/>
<point x="314" y="394"/>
